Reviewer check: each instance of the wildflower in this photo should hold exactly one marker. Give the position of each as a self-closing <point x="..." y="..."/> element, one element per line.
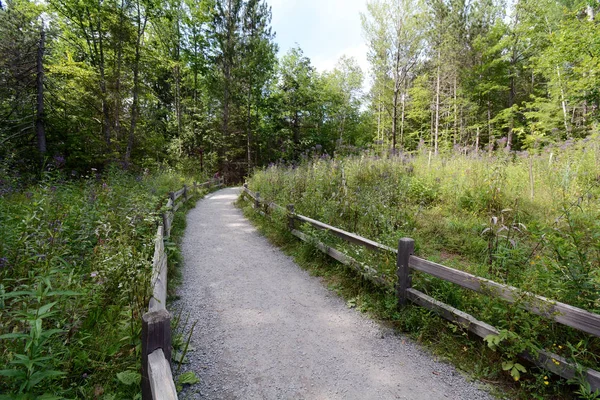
<point x="94" y="274"/>
<point x="59" y="160"/>
<point x="546" y="382"/>
<point x="3" y="262"/>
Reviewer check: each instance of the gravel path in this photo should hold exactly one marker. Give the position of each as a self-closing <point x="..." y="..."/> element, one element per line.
<point x="266" y="329"/>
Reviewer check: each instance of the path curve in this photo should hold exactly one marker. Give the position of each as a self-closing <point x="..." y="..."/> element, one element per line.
<point x="266" y="329"/>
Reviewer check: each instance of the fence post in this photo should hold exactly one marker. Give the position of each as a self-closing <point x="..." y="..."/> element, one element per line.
<point x="185" y="192"/>
<point x="406" y="248"/>
<point x="166" y="227"/>
<point x="257" y="200"/>
<point x="156" y="334"/>
<point x="172" y="197"/>
<point x="291" y="219"/>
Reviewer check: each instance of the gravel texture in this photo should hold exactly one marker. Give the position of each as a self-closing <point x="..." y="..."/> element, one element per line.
<point x="266" y="329"/>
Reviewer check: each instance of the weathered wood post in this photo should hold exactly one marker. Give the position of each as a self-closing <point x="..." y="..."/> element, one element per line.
<point x="156" y="334"/>
<point x="185" y="192"/>
<point x="290" y="216"/>
<point x="406" y="248"/>
<point x="172" y="197"/>
<point x="257" y="200"/>
<point x="165" y="218"/>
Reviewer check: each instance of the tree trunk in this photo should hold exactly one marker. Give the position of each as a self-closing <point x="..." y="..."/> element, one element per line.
<point x="379" y="130"/>
<point x="402" y="118"/>
<point x="395" y="101"/>
<point x="563" y="104"/>
<point x="39" y="120"/>
<point x="455" y="111"/>
<point x="136" y="82"/>
<point x="103" y="90"/>
<point x="437" y="110"/>
<point x="249" y="128"/>
<point x="490" y="134"/>
<point x="118" y="97"/>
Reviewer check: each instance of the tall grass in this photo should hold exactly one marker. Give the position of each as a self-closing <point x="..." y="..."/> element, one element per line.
<point x="75" y="265"/>
<point x="526" y="219"/>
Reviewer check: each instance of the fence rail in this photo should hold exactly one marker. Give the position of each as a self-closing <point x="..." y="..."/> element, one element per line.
<point x="157" y="378"/>
<point x="406" y="262"/>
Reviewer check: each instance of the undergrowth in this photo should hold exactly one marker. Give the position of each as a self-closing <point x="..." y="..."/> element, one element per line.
<point x="75" y="266"/>
<point x="529" y="220"/>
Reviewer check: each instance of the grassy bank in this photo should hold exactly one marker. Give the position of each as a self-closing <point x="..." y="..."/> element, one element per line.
<point x="529" y="220"/>
<point x="75" y="262"/>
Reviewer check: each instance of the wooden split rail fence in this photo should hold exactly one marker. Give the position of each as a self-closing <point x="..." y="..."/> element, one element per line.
<point x="157" y="379"/>
<point x="406" y="262"/>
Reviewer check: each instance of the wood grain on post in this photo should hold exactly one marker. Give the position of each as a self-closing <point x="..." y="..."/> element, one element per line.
<point x="185" y="192"/>
<point x="406" y="248"/>
<point x="156" y="334"/>
<point x="291" y="219"/>
<point x="160" y="377"/>
<point x="166" y="229"/>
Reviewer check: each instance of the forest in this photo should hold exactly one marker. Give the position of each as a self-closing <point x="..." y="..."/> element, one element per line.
<point x="479" y="117"/>
<point x="139" y="83"/>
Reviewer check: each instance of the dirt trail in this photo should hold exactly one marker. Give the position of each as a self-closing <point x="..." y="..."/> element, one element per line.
<point x="266" y="329"/>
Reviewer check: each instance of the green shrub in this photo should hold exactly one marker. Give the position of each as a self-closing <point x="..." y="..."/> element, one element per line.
<point x="75" y="267"/>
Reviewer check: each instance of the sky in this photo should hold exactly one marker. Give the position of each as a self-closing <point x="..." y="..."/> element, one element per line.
<point x="324" y="29"/>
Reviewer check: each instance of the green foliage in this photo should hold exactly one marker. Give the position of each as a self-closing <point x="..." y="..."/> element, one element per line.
<point x="477" y="214"/>
<point x="187" y="378"/>
<point x="75" y="269"/>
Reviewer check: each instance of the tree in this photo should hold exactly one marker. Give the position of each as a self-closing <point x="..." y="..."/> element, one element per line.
<point x="395" y="58"/>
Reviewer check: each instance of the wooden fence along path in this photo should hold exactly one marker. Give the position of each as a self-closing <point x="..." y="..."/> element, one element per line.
<point x="157" y="379"/>
<point x="406" y="262"/>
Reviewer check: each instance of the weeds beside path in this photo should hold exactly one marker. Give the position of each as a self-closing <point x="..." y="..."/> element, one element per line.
<point x="267" y="329"/>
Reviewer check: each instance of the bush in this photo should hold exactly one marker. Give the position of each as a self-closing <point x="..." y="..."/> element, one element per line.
<point x="75" y="267"/>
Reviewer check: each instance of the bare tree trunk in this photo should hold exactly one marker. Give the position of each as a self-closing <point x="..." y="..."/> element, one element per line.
<point x="455" y="111"/>
<point x="437" y="110"/>
<point x="402" y="118"/>
<point x="105" y="109"/>
<point x="136" y="82"/>
<point x="249" y="128"/>
<point x="395" y="101"/>
<point x="563" y="103"/>
<point x="118" y="97"/>
<point x="379" y="118"/>
<point x="39" y="120"/>
<point x="490" y="134"/>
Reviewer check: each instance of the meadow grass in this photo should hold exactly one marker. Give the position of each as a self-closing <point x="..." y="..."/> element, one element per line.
<point x="525" y="219"/>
